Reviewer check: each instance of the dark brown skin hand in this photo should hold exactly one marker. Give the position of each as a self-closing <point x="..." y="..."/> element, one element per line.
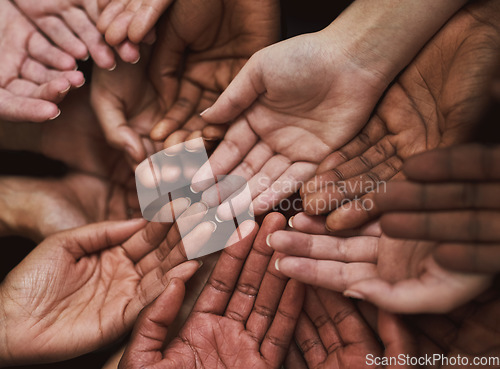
<point x="331" y="333"/>
<point x="82" y="289"/>
<point x="201" y="46"/>
<point x="435" y="103"/>
<point x="471" y="332"/>
<point x="452" y="197"/>
<point x="236" y="322"/>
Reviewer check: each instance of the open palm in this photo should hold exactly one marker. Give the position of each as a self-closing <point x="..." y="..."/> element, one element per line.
<point x="436" y="102"/>
<point x="292" y="104"/>
<point x="236" y="322"/>
<point x="81" y="289"/>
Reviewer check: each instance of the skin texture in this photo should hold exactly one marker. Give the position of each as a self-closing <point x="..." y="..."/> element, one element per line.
<point x="397" y="275"/>
<point x="435" y="103"/>
<point x="332" y="333"/>
<point x="71" y="26"/>
<point x="452" y="198"/>
<point x="93" y="296"/>
<point x="35" y="75"/>
<point x="236" y="322"/>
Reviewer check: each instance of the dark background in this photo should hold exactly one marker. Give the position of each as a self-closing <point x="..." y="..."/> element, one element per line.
<point x="297" y="18"/>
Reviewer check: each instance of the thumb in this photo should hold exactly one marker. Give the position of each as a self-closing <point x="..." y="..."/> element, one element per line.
<point x="239" y="95"/>
<point x="151" y="328"/>
<point x="99" y="236"/>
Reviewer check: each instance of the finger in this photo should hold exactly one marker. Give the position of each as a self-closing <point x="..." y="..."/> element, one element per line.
<point x="214" y="132"/>
<point x="352" y="329"/>
<point x="151" y="328"/>
<point x="40" y="49"/>
<point x="117" y="30"/>
<point x="100" y="52"/>
<point x="429" y="294"/>
<point x="61" y="35"/>
<point x="220" y="286"/>
<point x="20" y="108"/>
<point x="153" y="284"/>
<point x="146" y="18"/>
<point x="459" y="226"/>
<point x="371" y="134"/>
<point x="319" y="272"/>
<point x="309" y="341"/>
<point x="396" y="337"/>
<point x="36" y="72"/>
<point x="228" y="154"/>
<point x="111" y="115"/>
<point x="355" y="249"/>
<point x="109" y="13"/>
<point x="443" y="196"/>
<point x="353" y="214"/>
<point x="334" y="195"/>
<point x="469" y="258"/>
<point x="97" y="237"/>
<point x="53" y="91"/>
<point x="471" y="162"/>
<point x="154" y="233"/>
<point x="183" y="108"/>
<point x="254" y="270"/>
<point x="277" y="340"/>
<point x="239" y="95"/>
<point x="128" y="52"/>
<point x="294" y="358"/>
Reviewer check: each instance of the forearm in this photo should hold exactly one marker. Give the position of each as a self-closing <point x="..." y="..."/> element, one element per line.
<point x="19" y="136"/>
<point x="383" y="36"/>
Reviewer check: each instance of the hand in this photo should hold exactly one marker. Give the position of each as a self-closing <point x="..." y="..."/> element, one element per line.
<point x="331" y="333"/>
<point x="441" y="98"/>
<point x="80" y="290"/>
<point x="127" y="106"/>
<point x="235" y="323"/>
<point x="35" y="75"/>
<point x="71" y="26"/>
<point x="207" y="42"/>
<point x="294" y="102"/>
<point x="397" y="275"/>
<point x="453" y="197"/>
<point x="38" y="208"/>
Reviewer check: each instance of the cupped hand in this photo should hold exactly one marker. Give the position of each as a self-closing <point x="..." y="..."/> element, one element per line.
<point x="397" y="275"/>
<point x="81" y="289"/>
<point x="436" y="102"/>
<point x="292" y="104"/>
<point x="127" y="106"/>
<point x="452" y="197"/>
<point x="245" y="316"/>
<point x="35" y="75"/>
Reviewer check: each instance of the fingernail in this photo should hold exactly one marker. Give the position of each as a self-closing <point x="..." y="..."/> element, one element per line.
<point x="112" y="68"/>
<point x="214" y="225"/>
<point x="218" y="219"/>
<point x="276" y="265"/>
<point x="204" y="111"/>
<point x="268" y="240"/>
<point x="130" y="151"/>
<point x="354" y="295"/>
<point x="192" y="190"/>
<point x="211" y="139"/>
<point x="81" y="84"/>
<point x="200" y="263"/>
<point x="290" y="222"/>
<point x="86" y="58"/>
<point x="65" y="90"/>
<point x="137" y="60"/>
<point x="329" y="229"/>
<point x="55" y="116"/>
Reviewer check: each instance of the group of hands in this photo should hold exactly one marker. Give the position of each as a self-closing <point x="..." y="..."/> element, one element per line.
<point x="427" y="244"/>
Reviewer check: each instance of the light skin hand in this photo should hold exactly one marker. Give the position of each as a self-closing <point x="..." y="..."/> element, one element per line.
<point x="297" y="101"/>
<point x="71" y="25"/>
<point x="397" y="275"/>
<point x="451" y="197"/>
<point x="441" y="98"/>
<point x="80" y="290"/>
<point x="35" y="75"/>
<point x="236" y="322"/>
